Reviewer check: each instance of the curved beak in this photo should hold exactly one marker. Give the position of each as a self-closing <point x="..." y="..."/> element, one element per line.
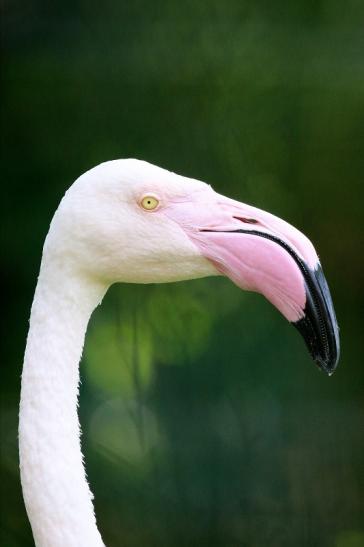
<point x="318" y="325"/>
<point x="262" y="253"/>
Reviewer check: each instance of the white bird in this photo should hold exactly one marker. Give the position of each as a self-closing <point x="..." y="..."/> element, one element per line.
<point x="129" y="221"/>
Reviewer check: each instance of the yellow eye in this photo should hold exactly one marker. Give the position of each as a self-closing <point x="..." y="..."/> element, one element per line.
<point x="149" y="203"/>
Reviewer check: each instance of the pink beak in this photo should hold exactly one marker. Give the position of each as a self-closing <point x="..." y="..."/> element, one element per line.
<point x="262" y="253"/>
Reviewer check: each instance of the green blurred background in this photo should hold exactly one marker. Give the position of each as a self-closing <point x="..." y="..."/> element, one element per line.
<point x="205" y="421"/>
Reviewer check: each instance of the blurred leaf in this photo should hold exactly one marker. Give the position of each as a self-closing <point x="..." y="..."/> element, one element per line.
<point x="124" y="431"/>
<point x="119" y="356"/>
<point x="350" y="538"/>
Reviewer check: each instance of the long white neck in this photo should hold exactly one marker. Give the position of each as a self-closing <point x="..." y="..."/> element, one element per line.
<point x="57" y="496"/>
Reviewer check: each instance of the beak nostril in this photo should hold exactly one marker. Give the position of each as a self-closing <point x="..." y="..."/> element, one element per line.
<point x="247" y="220"/>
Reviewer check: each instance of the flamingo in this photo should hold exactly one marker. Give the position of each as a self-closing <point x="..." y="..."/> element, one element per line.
<point x="130" y="221"/>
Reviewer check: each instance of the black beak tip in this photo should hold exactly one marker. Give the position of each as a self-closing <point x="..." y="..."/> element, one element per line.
<point x="328" y="366"/>
<point x="326" y="359"/>
<point x="318" y="326"/>
<point x="328" y="363"/>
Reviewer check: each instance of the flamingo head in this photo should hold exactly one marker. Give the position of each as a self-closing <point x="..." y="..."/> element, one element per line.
<point x="130" y="221"/>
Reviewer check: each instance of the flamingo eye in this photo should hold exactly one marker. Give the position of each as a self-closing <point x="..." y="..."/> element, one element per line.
<point x="149" y="203"/>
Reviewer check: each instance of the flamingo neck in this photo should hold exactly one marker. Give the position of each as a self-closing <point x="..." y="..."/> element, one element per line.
<point x="56" y="494"/>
